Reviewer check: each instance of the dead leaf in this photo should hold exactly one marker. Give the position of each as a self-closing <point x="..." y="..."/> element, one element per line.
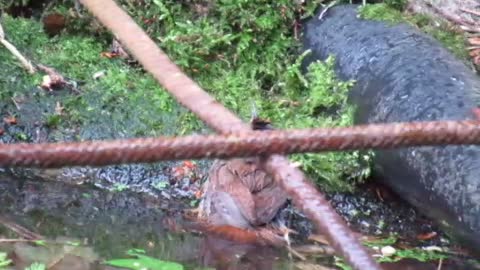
<point x="109" y="55"/>
<point x="426" y="236"/>
<point x="319" y="239"/>
<point x="116" y="50"/>
<point x="59" y="108"/>
<point x="189" y="164"/>
<point x="198" y="194"/>
<point x="53" y="79"/>
<point x="148" y="20"/>
<point x="474" y="41"/>
<point x="10" y="120"/>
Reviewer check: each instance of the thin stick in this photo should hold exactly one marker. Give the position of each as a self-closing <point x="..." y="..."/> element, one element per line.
<point x="324" y="11"/>
<point x="25" y="62"/>
<point x="474" y="12"/>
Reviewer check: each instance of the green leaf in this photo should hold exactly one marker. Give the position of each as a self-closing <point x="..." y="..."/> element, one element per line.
<point x="40" y="242"/>
<point x="36" y="266"/>
<point x="3" y="259"/>
<point x="144" y="262"/>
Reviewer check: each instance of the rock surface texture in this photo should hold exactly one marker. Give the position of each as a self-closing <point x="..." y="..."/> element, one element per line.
<point x="403" y="75"/>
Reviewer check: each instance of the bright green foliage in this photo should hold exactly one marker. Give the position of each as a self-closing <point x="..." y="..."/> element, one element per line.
<point x="414" y="253"/>
<point x="36" y="266"/>
<point x="382" y="12"/>
<point x="392" y="239"/>
<point x="4" y="261"/>
<point x="144" y="262"/>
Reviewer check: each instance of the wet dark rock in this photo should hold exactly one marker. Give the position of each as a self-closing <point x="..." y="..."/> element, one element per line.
<point x="367" y="214"/>
<point x="404" y="75"/>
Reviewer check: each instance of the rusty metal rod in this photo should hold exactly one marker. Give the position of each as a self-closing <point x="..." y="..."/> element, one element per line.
<point x="245" y="144"/>
<point x="216" y="116"/>
<point x="154" y="60"/>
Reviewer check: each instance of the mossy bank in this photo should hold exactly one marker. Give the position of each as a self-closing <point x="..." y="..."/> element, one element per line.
<point x="240" y="52"/>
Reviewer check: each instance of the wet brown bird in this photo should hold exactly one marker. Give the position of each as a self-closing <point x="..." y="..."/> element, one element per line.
<point x="241" y="194"/>
<point x="239" y="198"/>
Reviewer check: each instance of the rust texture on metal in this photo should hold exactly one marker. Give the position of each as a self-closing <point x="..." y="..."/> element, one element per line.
<point x="189" y="94"/>
<point x="240" y="144"/>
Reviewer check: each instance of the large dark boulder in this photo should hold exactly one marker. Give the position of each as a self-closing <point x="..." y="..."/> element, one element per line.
<point x="404" y="75"/>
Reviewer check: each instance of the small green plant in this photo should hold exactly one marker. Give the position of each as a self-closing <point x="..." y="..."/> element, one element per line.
<point x="340" y="263"/>
<point x="4" y="260"/>
<point x="119" y="187"/>
<point x="36" y="266"/>
<point x="21" y="136"/>
<point x="414" y="253"/>
<point x="194" y="203"/>
<point x="40" y="242"/>
<point x="53" y="120"/>
<point x="73" y="243"/>
<point x="160" y="185"/>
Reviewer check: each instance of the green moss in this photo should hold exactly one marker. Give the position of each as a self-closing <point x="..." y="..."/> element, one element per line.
<point x="127" y="98"/>
<point x="243" y="52"/>
<point x="453" y="41"/>
<point x="396" y="4"/>
<point x="381" y="12"/>
<point x="449" y="38"/>
<point x="239" y="51"/>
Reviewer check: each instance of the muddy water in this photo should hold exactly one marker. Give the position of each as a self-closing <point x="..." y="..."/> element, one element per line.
<point x="113" y="223"/>
<point x="107" y="224"/>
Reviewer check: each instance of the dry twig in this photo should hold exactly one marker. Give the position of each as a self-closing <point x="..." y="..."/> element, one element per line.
<point x="25" y="62"/>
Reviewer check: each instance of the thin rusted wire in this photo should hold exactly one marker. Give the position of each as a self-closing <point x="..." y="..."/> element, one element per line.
<point x="216" y="116"/>
<point x="245" y="144"/>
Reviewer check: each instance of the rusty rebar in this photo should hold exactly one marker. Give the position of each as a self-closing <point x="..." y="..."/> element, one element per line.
<point x="211" y="112"/>
<point x="305" y="196"/>
<point x="244" y="144"/>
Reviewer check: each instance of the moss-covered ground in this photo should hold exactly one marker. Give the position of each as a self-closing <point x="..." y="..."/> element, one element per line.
<point x="241" y="52"/>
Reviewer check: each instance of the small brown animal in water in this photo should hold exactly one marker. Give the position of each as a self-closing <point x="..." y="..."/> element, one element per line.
<point x="241" y="196"/>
